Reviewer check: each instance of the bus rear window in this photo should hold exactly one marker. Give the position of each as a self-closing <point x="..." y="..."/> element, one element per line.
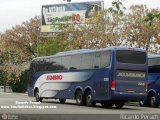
<point x="133" y="57"/>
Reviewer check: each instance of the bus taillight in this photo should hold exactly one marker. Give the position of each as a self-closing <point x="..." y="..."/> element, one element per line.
<point x="113" y="85"/>
<point x="146" y="86"/>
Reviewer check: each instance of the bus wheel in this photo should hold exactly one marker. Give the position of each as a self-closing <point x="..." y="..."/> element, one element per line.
<point x="152" y="101"/>
<point x="62" y="101"/>
<point x="79" y="98"/>
<point x="89" y="99"/>
<point x="119" y="104"/>
<point x="107" y="104"/>
<point x="38" y="99"/>
<point x="141" y="103"/>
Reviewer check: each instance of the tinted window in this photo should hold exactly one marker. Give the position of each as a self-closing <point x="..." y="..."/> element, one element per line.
<point x="66" y="61"/>
<point x="80" y="61"/>
<point x="75" y="61"/>
<point x="40" y="65"/>
<point x="57" y="60"/>
<point x="55" y="64"/>
<point x="105" y="59"/>
<point x="87" y="61"/>
<point x="97" y="60"/>
<point x="133" y="57"/>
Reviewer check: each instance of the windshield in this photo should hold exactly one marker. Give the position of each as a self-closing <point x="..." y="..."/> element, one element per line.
<point x="133" y="57"/>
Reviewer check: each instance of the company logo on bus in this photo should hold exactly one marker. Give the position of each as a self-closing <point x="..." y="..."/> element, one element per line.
<point x="129" y="74"/>
<point x="54" y="77"/>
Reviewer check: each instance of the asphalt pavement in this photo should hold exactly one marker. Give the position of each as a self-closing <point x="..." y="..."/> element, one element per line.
<point x="20" y="106"/>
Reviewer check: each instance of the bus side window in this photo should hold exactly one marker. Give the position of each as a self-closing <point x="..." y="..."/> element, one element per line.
<point x="105" y="59"/>
<point x="97" y="60"/>
<point x="56" y="64"/>
<point x="76" y="61"/>
<point x="87" y="61"/>
<point x="41" y="66"/>
<point x="58" y="60"/>
<point x="66" y="61"/>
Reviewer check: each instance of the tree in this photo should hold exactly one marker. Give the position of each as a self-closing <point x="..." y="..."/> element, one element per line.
<point x="15" y="50"/>
<point x="19" y="45"/>
<point x="117" y="8"/>
<point x="22" y="36"/>
<point x="52" y="45"/>
<point x="137" y="32"/>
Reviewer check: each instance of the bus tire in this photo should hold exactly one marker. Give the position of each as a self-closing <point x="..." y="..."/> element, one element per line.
<point x="143" y="103"/>
<point x="107" y="104"/>
<point x="38" y="99"/>
<point x="89" y="99"/>
<point x="119" y="104"/>
<point x="152" y="101"/>
<point x="80" y="98"/>
<point x="62" y="101"/>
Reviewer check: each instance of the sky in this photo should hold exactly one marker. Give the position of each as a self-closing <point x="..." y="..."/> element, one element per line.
<point x="14" y="12"/>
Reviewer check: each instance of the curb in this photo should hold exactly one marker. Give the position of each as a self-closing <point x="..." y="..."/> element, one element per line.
<point x="8" y="93"/>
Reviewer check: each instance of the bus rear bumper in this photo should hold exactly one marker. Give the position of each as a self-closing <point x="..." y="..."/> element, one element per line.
<point x="129" y="96"/>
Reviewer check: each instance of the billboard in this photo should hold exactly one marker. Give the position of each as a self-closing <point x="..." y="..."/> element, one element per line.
<point x="53" y="15"/>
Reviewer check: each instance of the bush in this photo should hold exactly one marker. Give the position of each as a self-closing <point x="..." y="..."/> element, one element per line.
<point x="21" y="85"/>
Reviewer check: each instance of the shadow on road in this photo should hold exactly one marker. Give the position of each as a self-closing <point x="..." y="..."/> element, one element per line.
<point x="98" y="105"/>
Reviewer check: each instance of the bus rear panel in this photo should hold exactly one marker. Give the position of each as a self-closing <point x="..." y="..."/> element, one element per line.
<point x="131" y="77"/>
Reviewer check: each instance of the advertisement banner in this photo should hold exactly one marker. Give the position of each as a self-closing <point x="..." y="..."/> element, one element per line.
<point x="76" y="13"/>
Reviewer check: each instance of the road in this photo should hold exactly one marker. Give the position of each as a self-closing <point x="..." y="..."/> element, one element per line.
<point x="21" y="104"/>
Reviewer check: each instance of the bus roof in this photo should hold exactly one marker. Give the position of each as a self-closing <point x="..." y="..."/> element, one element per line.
<point x="153" y="56"/>
<point x="80" y="51"/>
<point x="154" y="60"/>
